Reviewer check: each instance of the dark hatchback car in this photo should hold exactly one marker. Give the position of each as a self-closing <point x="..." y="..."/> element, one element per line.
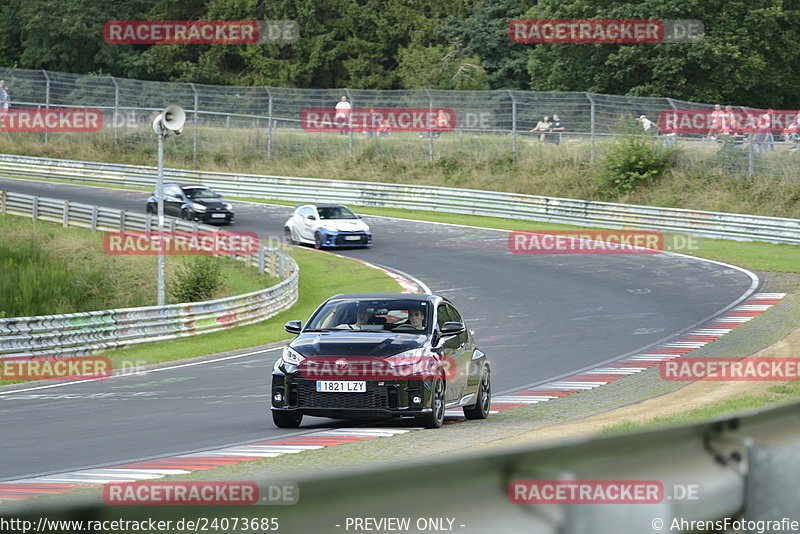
<point x="377" y="356"/>
<point x="193" y="202"/>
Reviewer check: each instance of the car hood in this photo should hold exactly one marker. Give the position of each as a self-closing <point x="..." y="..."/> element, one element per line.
<point x="209" y="202"/>
<point x="344" y="225"/>
<point x="363" y="343"/>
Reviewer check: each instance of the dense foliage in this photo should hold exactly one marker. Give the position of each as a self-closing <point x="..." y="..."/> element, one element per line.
<point x="748" y="56"/>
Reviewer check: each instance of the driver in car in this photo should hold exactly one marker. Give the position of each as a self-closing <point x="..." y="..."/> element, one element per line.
<point x="416" y="318"/>
<point x="363" y="317"/>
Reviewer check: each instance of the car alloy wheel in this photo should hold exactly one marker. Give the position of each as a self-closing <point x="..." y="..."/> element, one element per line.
<point x="287" y="419"/>
<point x="483" y="401"/>
<point x="435" y="418"/>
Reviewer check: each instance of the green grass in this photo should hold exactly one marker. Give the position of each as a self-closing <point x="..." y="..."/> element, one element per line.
<point x="47" y="269"/>
<point x="780" y="394"/>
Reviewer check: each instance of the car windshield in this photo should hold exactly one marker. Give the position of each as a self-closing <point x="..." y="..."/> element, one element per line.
<point x="335" y="212"/>
<point x="199" y="192"/>
<point x="382" y="315"/>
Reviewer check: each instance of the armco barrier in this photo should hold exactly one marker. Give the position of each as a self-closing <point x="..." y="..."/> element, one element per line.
<point x="740" y="468"/>
<point x="84" y="333"/>
<point x="464" y="201"/>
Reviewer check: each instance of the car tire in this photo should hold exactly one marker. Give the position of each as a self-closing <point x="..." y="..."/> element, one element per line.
<point x="287" y="232"/>
<point x="186" y="215"/>
<point x="287" y="419"/>
<point x="150" y="209"/>
<point x="483" y="399"/>
<point x="317" y="240"/>
<point x="435" y="418"/>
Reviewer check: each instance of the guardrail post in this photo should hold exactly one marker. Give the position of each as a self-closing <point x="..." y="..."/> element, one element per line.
<point x="592" y="125"/>
<point x="350" y="121"/>
<point x="46" y="100"/>
<point x="3" y="200"/>
<point x="196" y="122"/>
<point x="95" y="210"/>
<point x="116" y="110"/>
<point x="282" y="265"/>
<point x="430" y="131"/>
<point x="513" y="126"/>
<point x="65" y="218"/>
<point x="261" y="251"/>
<point x="35" y="209"/>
<point x="269" y="124"/>
<point x="272" y="262"/>
<point x="122" y="220"/>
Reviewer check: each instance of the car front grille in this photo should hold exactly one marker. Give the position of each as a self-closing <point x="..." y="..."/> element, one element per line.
<point x="340" y="240"/>
<point x="309" y="397"/>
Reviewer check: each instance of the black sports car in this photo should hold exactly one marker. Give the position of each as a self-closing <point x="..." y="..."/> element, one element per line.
<point x="194" y="203"/>
<point x="381" y="356"/>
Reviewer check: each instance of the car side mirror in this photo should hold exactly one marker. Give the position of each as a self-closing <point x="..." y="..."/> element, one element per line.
<point x="359" y="216"/>
<point x="294" y="327"/>
<point x="453" y="328"/>
<point x="312" y="218"/>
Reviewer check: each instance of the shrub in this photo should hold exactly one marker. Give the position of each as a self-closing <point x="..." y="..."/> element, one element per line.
<point x="199" y="278"/>
<point x="632" y="160"/>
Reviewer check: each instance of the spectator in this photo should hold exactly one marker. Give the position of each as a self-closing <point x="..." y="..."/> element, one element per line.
<point x="342" y="114"/>
<point x="763" y="132"/>
<point x="729" y="122"/>
<point x="556" y="128"/>
<point x="5" y="98"/>
<point x="543" y="126"/>
<point x="442" y="123"/>
<point x="717" y="118"/>
<point x="647" y="124"/>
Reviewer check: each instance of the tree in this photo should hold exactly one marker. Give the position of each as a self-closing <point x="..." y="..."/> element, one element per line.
<point x="748" y="55"/>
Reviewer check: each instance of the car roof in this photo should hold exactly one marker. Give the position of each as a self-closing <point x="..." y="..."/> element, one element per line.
<point x="321" y="205"/>
<point x="187" y="185"/>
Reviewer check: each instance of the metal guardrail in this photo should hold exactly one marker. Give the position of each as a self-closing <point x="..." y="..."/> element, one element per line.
<point x="83" y="333"/>
<point x="743" y="468"/>
<point x="463" y="201"/>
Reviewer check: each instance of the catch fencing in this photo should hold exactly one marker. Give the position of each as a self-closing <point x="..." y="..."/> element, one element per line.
<point x="267" y="120"/>
<point x="464" y="201"/>
<point x="88" y="332"/>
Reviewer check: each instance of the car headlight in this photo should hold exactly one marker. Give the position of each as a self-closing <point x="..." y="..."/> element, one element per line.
<point x="228" y="205"/>
<point x="291" y="356"/>
<point x="198" y="207"/>
<point x="366" y="227"/>
<point x="408" y="357"/>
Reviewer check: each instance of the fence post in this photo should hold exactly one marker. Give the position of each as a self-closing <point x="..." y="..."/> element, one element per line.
<point x="196" y="121"/>
<point x="513" y="125"/>
<point x="3" y="200"/>
<point x="261" y="250"/>
<point x="269" y="124"/>
<point x="65" y="216"/>
<point x="116" y="111"/>
<point x="350" y="121"/>
<point x="35" y="209"/>
<point x="751" y="157"/>
<point x="94" y="217"/>
<point x="430" y="130"/>
<point x="46" y="101"/>
<point x="592" y="125"/>
<point x="122" y="220"/>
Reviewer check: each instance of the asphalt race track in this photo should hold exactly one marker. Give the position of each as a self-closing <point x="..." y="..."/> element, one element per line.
<point x="538" y="317"/>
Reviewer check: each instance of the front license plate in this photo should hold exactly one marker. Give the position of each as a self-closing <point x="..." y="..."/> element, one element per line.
<point x="341" y="386"/>
<point x="218" y="215"/>
<point x="352" y="238"/>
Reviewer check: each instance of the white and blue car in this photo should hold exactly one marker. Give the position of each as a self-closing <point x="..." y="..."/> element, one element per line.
<point x="327" y="225"/>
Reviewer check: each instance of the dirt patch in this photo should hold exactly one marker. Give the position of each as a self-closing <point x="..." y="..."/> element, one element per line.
<point x="693" y="396"/>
